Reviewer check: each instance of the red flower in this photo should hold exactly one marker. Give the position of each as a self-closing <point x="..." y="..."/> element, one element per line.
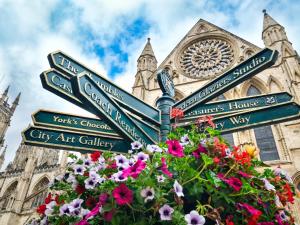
<point x="242" y="157"/>
<point x="95" y="156"/>
<point x="216" y="160"/>
<point x="108" y="215"/>
<point x="122" y="194"/>
<point x="103" y="198"/>
<point x="41" y="209"/>
<point x="175" y="148"/>
<point x="289" y="193"/>
<point x="266" y="223"/>
<point x="48" y="199"/>
<point x="135" y="169"/>
<point x="164" y="168"/>
<point x="235" y="183"/>
<point x="205" y="120"/>
<point x="220" y="148"/>
<point x="79" y="189"/>
<point x="255" y="213"/>
<point x="199" y="150"/>
<point x="177" y="113"/>
<point x="229" y="220"/>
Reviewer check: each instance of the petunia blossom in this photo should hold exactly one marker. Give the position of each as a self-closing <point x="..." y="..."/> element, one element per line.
<point x="122" y="194"/>
<point x="147" y="193"/>
<point x="175" y="148"/>
<point x="166" y="212"/>
<point x="178" y="189"/>
<point x="164" y="168"/>
<point x="136" y="145"/>
<point x="255" y="213"/>
<point x="142" y="156"/>
<point x="193" y="218"/>
<point x="153" y="148"/>
<point x="134" y="170"/>
<point x="199" y="150"/>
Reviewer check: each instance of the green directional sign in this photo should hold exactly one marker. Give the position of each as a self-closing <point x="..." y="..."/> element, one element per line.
<point x="70" y="67"/>
<point x="72" y="122"/>
<point x="61" y="85"/>
<point x="72" y="140"/>
<point x="260" y="117"/>
<point x="104" y="106"/>
<point x="232" y="106"/>
<point x="228" y="80"/>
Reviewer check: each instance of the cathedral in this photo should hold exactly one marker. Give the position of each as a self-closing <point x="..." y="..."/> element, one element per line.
<point x="204" y="53"/>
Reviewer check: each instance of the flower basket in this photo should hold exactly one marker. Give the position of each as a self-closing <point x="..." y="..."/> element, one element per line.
<point x="193" y="178"/>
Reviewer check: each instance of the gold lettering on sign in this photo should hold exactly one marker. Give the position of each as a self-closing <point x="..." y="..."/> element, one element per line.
<point x="242" y="105"/>
<point x="57" y="81"/>
<point x="238" y="120"/>
<point x="67" y="64"/>
<point x="40" y="135"/>
<point x="85" y="140"/>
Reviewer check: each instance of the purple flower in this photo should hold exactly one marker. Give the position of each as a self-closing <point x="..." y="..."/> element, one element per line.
<point x="65" y="209"/>
<point x="90" y="183"/>
<point x="153" y="148"/>
<point x="268" y="185"/>
<point x="76" y="203"/>
<point x="228" y="152"/>
<point x="87" y="162"/>
<point x="160" y="178"/>
<point x="136" y="145"/>
<point x="185" y="140"/>
<point x="178" y="189"/>
<point x="78" y="169"/>
<point x="121" y="160"/>
<point x="194" y="218"/>
<point x="147" y="193"/>
<point x="142" y="156"/>
<point x="166" y="212"/>
<point x="119" y="177"/>
<point x="49" y="208"/>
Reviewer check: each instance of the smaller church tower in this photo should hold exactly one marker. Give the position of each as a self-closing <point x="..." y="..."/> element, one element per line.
<point x="2" y="156"/>
<point x="146" y="65"/>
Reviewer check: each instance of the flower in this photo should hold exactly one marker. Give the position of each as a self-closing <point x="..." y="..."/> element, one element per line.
<point x="242" y="157"/>
<point x="216" y="160"/>
<point x="121" y="160"/>
<point x="65" y="209"/>
<point x="78" y="169"/>
<point x="119" y="177"/>
<point x="160" y="178"/>
<point x="166" y="212"/>
<point x="164" y="167"/>
<point x="205" y="120"/>
<point x="122" y="194"/>
<point x="199" y="150"/>
<point x="243" y="174"/>
<point x="178" y="189"/>
<point x="175" y="148"/>
<point x="147" y="193"/>
<point x="134" y="170"/>
<point x="108" y="215"/>
<point x="255" y="213"/>
<point x="41" y="209"/>
<point x="76" y="203"/>
<point x="235" y="183"/>
<point x="90" y="183"/>
<point x="153" y="148"/>
<point x="185" y="140"/>
<point x="142" y="156"/>
<point x="49" y="208"/>
<point x="87" y="162"/>
<point x="95" y="156"/>
<point x="177" y="113"/>
<point x="268" y="185"/>
<point x="79" y="189"/>
<point x="194" y="218"/>
<point x="136" y="145"/>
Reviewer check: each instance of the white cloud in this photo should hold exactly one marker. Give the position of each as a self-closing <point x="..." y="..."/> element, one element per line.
<point x="29" y="34"/>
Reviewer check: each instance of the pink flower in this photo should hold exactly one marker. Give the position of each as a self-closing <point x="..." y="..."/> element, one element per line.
<point x="164" y="168"/>
<point x="235" y="183"/>
<point x="175" y="148"/>
<point x="243" y="174"/>
<point x="135" y="169"/>
<point x="266" y="223"/>
<point x="198" y="151"/>
<point x="108" y="215"/>
<point x="122" y="194"/>
<point x="255" y="213"/>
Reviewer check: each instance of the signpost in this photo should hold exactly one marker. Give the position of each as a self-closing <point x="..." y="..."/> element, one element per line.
<point x="104" y="106"/>
<point x="260" y="117"/>
<point x="70" y="67"/>
<point x="71" y="122"/>
<point x="123" y="118"/>
<point x="72" y="140"/>
<point x="235" y="105"/>
<point x="230" y="79"/>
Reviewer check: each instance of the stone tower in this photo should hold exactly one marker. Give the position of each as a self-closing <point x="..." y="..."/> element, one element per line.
<point x="146" y="65"/>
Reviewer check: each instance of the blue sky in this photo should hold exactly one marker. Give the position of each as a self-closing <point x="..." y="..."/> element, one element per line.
<point x="108" y="36"/>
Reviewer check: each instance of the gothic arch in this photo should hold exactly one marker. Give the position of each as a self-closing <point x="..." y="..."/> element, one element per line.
<point x="296" y="180"/>
<point x="274" y="82"/>
<point x="256" y="82"/>
<point x="40" y="191"/>
<point x="8" y="195"/>
<point x="40" y="183"/>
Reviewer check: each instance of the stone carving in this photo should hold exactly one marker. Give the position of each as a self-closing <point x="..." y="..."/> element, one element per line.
<point x="206" y="58"/>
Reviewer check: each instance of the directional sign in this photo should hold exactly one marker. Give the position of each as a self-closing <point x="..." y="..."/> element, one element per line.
<point x="228" y="80"/>
<point x="61" y="85"/>
<point x="71" y="122"/>
<point x="235" y="105"/>
<point x="70" y="67"/>
<point x="72" y="140"/>
<point x="260" y="117"/>
<point x="93" y="96"/>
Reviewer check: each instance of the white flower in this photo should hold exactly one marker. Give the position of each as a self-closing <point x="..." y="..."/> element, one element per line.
<point x="194" y="218"/>
<point x="87" y="162"/>
<point x="49" y="208"/>
<point x="160" y="178"/>
<point x="268" y="185"/>
<point x="71" y="178"/>
<point x="166" y="212"/>
<point x="136" y="145"/>
<point x="147" y="193"/>
<point x="278" y="203"/>
<point x="101" y="160"/>
<point x="142" y="156"/>
<point x="178" y="189"/>
<point x="153" y="148"/>
<point x="44" y="221"/>
<point x="90" y="183"/>
<point x="121" y="160"/>
<point x="65" y="209"/>
<point x="118" y="177"/>
<point x="79" y="169"/>
<point x="185" y="140"/>
<point x="228" y="152"/>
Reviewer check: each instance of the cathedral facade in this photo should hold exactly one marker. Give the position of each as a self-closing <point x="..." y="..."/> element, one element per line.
<point x="204" y="53"/>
